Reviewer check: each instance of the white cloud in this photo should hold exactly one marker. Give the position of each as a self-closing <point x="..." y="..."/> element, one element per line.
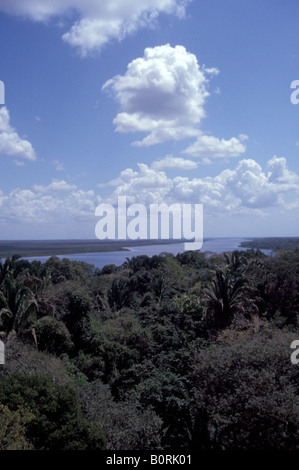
<point x="171" y="162"/>
<point x="162" y="94"/>
<point x="245" y="189"/>
<point x="57" y="203"/>
<point x="10" y="142"/>
<point x="146" y="185"/>
<point x="37" y="10"/>
<point x="251" y="186"/>
<point x="19" y="163"/>
<point x="208" y="147"/>
<point x="60" y="209"/>
<point x="98" y="21"/>
<point x="55" y="186"/>
<point x="59" y="166"/>
<point x="280" y="175"/>
<point x="125" y="176"/>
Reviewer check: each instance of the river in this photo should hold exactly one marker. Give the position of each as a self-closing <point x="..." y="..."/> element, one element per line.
<point x="214" y="245"/>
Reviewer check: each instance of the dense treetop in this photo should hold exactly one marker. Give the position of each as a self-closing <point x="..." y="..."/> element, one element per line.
<point x="166" y="352"/>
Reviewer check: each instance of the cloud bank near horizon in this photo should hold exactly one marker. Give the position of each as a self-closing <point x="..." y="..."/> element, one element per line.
<point x="246" y="189"/>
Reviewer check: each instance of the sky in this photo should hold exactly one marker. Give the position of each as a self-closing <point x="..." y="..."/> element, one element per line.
<point x="173" y="101"/>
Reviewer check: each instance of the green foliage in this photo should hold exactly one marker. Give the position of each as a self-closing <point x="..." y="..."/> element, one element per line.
<point x="248" y="389"/>
<point x="13" y="267"/>
<point x="127" y="425"/>
<point x="109" y="269"/>
<point x="181" y="352"/>
<point x="13" y="426"/>
<point x="191" y="316"/>
<point x="58" y="423"/>
<point x="78" y="307"/>
<point x="279" y="288"/>
<point x="53" y="336"/>
<point x="168" y="394"/>
<point x="226" y="295"/>
<point x="17" y="305"/>
<point x="119" y="295"/>
<point x="66" y="270"/>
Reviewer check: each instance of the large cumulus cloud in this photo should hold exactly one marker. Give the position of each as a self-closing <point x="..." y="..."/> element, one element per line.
<point x="163" y="96"/>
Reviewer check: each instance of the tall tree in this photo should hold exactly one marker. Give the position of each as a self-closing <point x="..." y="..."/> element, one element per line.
<point x="224" y="297"/>
<point x="17" y="303"/>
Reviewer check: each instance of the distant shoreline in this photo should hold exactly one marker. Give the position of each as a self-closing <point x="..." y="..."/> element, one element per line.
<point x="271" y="243"/>
<point x="32" y="248"/>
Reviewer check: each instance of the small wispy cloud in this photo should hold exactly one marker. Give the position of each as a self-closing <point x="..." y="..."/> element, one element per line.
<point x="58" y="165"/>
<point x="170" y="162"/>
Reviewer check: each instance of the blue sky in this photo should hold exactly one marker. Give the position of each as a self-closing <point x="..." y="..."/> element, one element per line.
<point x="160" y="101"/>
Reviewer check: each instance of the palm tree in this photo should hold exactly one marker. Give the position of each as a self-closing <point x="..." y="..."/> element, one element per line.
<point x="17" y="303"/>
<point x="119" y="295"/>
<point x="235" y="261"/>
<point x="225" y="296"/>
<point x="12" y="267"/>
<point x="159" y="286"/>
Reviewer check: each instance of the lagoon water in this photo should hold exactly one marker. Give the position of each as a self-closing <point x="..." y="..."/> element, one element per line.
<point x="214" y="245"/>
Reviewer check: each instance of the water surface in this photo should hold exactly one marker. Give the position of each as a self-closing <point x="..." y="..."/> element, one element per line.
<point x="214" y="245"/>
